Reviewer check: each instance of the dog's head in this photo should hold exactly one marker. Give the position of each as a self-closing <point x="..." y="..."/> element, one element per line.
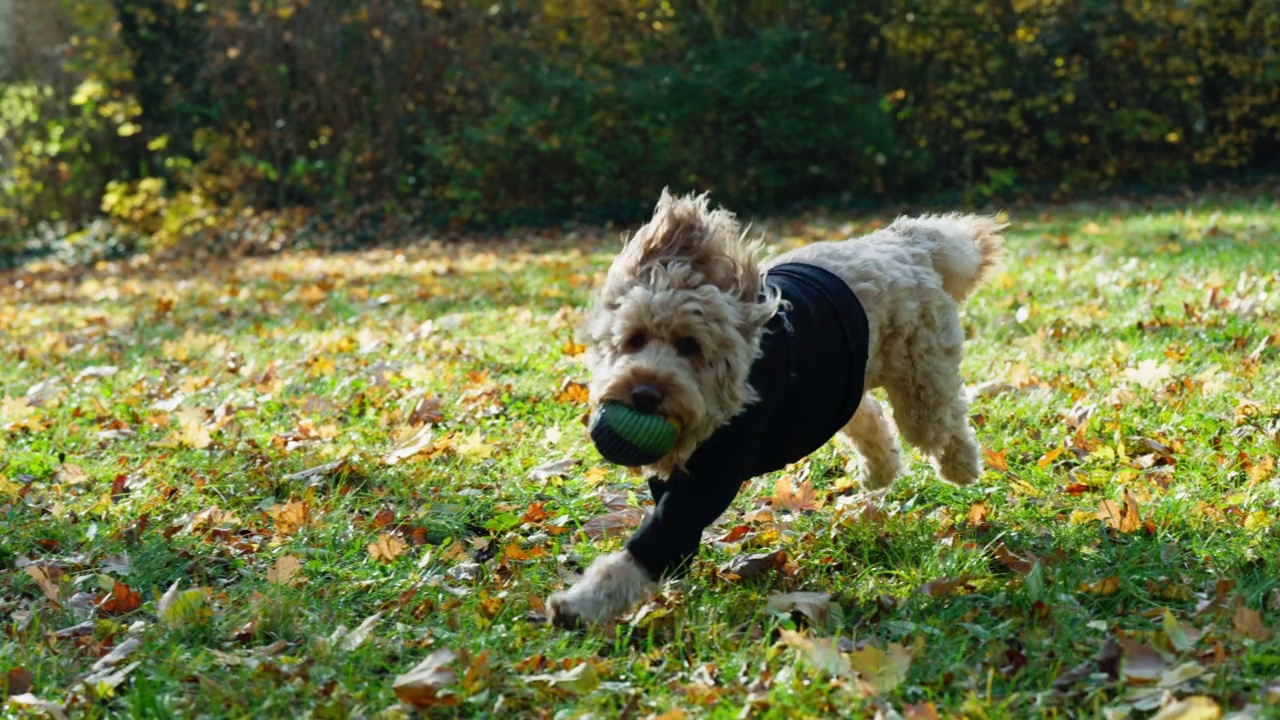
<point x="677" y="323"/>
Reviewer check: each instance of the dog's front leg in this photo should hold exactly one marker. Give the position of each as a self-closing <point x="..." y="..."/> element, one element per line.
<point x="611" y="586"/>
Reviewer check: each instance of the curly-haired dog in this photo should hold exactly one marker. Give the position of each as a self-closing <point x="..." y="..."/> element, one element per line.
<point x="763" y="365"/>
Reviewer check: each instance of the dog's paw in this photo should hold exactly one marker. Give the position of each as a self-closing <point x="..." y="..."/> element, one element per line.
<point x="610" y="587"/>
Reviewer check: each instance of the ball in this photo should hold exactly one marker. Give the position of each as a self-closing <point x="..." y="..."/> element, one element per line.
<point x="626" y="436"/>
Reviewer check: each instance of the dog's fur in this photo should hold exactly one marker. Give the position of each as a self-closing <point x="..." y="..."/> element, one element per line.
<point x="690" y="277"/>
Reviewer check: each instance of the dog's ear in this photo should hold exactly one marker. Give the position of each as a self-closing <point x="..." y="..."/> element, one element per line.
<point x="685" y="231"/>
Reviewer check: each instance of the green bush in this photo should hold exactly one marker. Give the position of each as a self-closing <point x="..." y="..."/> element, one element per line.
<point x="536" y="112"/>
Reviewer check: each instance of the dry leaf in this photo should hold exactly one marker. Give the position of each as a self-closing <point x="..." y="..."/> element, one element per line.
<point x="348" y="640"/>
<point x="17" y="681"/>
<point x="1105" y="586"/>
<point x="1124" y="518"/>
<point x="386" y="548"/>
<point x="884" y="669"/>
<point x="118" y="654"/>
<point x="977" y="515"/>
<point x="1149" y="374"/>
<point x="421" y="686"/>
<point x="814" y="605"/>
<point x="745" y="566"/>
<point x="1250" y="624"/>
<point x="1142" y="664"/>
<point x="1195" y="707"/>
<point x="31" y="701"/>
<point x="179" y="609"/>
<point x="284" y="571"/>
<point x="923" y="711"/>
<point x="614" y="523"/>
<point x="573" y="392"/>
<point x="122" y="599"/>
<point x="557" y="469"/>
<point x="794" y="499"/>
<point x="420" y="440"/>
<point x="473" y="447"/>
<point x="578" y="680"/>
<point x="290" y="517"/>
<point x="821" y="653"/>
<point x="42" y="577"/>
<point x="191" y="430"/>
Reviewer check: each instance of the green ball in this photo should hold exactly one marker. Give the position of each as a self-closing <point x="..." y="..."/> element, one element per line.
<point x="626" y="436"/>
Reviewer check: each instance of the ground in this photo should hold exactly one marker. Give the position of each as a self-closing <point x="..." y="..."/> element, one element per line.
<point x="341" y="485"/>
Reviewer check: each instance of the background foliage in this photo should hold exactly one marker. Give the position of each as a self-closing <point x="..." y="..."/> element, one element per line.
<point x="175" y="117"/>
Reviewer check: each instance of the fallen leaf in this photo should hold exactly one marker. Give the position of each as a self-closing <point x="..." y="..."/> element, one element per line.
<point x="578" y="680"/>
<point x="387" y="547"/>
<point x="1195" y="707"/>
<point x="348" y="640"/>
<point x="421" y="685"/>
<point x="473" y="447"/>
<point x="884" y="669"/>
<point x="1149" y="374"/>
<point x="290" y="517"/>
<point x="1249" y="623"/>
<point x="191" y="430"/>
<point x="1125" y="519"/>
<point x="118" y="654"/>
<point x="600" y="527"/>
<point x="1175" y="676"/>
<point x="922" y="711"/>
<point x="746" y="566"/>
<point x="46" y="584"/>
<point x="535" y="514"/>
<point x="8" y="488"/>
<point x="814" y="605"/>
<point x="179" y="609"/>
<point x="1105" y="586"/>
<point x="122" y="599"/>
<point x="31" y="701"/>
<point x="573" y="392"/>
<point x="977" y="515"/>
<point x="1142" y="664"/>
<point x="17" y="681"/>
<point x="557" y="469"/>
<point x="108" y="678"/>
<point x="794" y="499"/>
<point x="284" y="570"/>
<point x="995" y="460"/>
<point x="420" y="440"/>
<point x="944" y="587"/>
<point x="426" y="411"/>
<point x="822" y="653"/>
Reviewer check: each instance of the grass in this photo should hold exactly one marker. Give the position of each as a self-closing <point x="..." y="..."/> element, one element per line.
<point x="195" y="463"/>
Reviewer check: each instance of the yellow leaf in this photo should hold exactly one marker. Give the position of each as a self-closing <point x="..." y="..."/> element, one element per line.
<point x="473" y="447"/>
<point x="579" y="680"/>
<point x="387" y="547"/>
<point x="9" y="488"/>
<point x="883" y="670"/>
<point x="1195" y="707"/>
<point x="179" y="609"/>
<point x="192" y="431"/>
<point x="573" y="392"/>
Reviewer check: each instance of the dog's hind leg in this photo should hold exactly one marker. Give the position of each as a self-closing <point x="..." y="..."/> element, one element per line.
<point x="929" y="408"/>
<point x="871" y="435"/>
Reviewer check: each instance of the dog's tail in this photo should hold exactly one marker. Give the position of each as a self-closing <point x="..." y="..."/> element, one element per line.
<point x="963" y="248"/>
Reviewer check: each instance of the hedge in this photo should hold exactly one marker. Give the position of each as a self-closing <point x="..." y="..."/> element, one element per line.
<point x="170" y="114"/>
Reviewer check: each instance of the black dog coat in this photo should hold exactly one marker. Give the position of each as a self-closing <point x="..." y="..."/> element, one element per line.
<point x="809" y="378"/>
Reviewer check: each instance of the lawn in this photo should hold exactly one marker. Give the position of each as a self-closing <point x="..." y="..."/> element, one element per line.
<point x="340" y="485"/>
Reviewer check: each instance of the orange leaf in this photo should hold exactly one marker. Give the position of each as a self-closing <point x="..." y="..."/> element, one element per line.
<point x="535" y="514"/>
<point x="978" y="514"/>
<point x="995" y="460"/>
<point x="122" y="599"/>
<point x="573" y="392"/>
<point x="386" y="548"/>
<point x="1049" y="457"/>
<point x="284" y="570"/>
<point x="1124" y="518"/>
<point x="1105" y="586"/>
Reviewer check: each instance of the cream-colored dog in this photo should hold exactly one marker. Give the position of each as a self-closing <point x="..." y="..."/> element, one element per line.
<point x="761" y="364"/>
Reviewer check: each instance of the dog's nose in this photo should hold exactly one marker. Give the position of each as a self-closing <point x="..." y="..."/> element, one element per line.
<point x="646" y="398"/>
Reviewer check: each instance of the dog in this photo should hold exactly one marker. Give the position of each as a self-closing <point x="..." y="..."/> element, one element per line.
<point x="763" y="362"/>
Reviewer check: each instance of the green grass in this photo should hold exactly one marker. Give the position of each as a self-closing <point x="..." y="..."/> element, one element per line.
<point x="232" y="380"/>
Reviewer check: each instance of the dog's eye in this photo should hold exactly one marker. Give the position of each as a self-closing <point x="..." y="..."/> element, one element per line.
<point x="687" y="346"/>
<point x="637" y="341"/>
